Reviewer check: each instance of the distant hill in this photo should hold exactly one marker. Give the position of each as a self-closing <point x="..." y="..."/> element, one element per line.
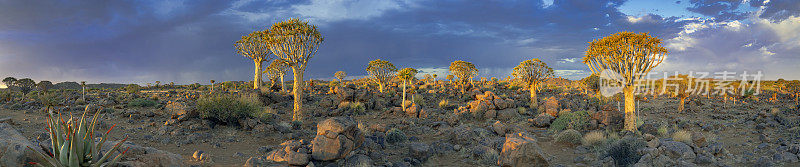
<point x="75" y="85"/>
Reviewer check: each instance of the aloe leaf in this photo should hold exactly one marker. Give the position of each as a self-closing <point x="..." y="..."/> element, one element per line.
<point x="50" y="160"/>
<point x="108" y="154"/>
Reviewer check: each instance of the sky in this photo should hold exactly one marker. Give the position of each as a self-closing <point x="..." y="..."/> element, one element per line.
<point x="192" y="41"/>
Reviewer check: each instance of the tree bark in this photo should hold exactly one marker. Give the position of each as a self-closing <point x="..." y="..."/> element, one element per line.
<point x="404" y="96"/>
<point x="298" y="94"/>
<point x="257" y="76"/>
<point x="680" y="106"/>
<point x="630" y="116"/>
<point x="380" y="87"/>
<point x="283" y="87"/>
<point x="534" y="99"/>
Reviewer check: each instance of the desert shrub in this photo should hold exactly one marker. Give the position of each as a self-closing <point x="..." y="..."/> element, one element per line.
<point x="356" y="107"/>
<point x="682" y="136"/>
<point x="444" y="103"/>
<point x="593" y="139"/>
<point x="523" y="110"/>
<point x="663" y="130"/>
<point x="48" y="99"/>
<point x="132" y="89"/>
<point x="625" y="151"/>
<point x="227" y="108"/>
<point x="419" y="100"/>
<point x="395" y="135"/>
<point x="577" y="120"/>
<point x="265" y="115"/>
<point x="142" y="102"/>
<point x="569" y="136"/>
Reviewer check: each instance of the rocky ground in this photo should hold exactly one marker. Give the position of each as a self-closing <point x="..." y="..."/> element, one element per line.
<point x="488" y="126"/>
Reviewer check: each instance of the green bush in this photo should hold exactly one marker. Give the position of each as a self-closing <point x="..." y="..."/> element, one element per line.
<point x="625" y="151"/>
<point x="142" y="102"/>
<point x="569" y="136"/>
<point x="577" y="120"/>
<point x="132" y="89"/>
<point x="48" y="99"/>
<point x="395" y="135"/>
<point x="444" y="104"/>
<point x="356" y="107"/>
<point x="228" y="109"/>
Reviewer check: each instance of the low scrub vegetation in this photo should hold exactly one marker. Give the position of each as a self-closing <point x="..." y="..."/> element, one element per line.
<point x="228" y="109"/>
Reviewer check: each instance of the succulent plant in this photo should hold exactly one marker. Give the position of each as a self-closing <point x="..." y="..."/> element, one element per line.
<point x="73" y="143"/>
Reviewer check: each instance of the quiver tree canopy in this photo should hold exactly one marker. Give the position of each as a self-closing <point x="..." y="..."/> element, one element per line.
<point x="254" y="46"/>
<point x="340" y="75"/>
<point x="630" y="54"/>
<point x="381" y="71"/>
<point x="463" y="71"/>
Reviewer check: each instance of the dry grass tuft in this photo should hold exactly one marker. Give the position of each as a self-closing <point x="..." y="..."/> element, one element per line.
<point x="593" y="138"/>
<point x="682" y="136"/>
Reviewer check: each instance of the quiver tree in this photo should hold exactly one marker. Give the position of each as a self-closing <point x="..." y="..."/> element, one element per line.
<point x="381" y="71"/>
<point x="592" y="82"/>
<point x="277" y="69"/>
<point x="630" y="55"/>
<point x="793" y="87"/>
<point x="464" y="71"/>
<point x="44" y="86"/>
<point x="434" y="78"/>
<point x="533" y="72"/>
<point x="25" y="85"/>
<point x="212" y="85"/>
<point x="296" y="42"/>
<point x="679" y="86"/>
<point x="406" y="75"/>
<point x="450" y="78"/>
<point x="254" y="46"/>
<point x="9" y="81"/>
<point x="83" y="90"/>
<point x="340" y="75"/>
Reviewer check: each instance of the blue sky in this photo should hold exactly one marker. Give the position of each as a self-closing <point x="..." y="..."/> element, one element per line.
<point x="192" y="41"/>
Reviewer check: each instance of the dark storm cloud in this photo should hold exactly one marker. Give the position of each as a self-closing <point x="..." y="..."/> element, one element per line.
<point x="778" y="9"/>
<point x="192" y="41"/>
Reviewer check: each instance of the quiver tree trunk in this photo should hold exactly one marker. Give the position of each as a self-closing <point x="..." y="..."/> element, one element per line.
<point x="283" y="87"/>
<point x="681" y="105"/>
<point x="404" y="96"/>
<point x="297" y="115"/>
<point x="534" y="99"/>
<point x="257" y="77"/>
<point x="630" y="116"/>
<point x="380" y="87"/>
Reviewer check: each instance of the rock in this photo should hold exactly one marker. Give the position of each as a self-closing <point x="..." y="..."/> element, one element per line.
<point x="543" y="120"/>
<point x="416" y="111"/>
<point x="520" y="149"/>
<point x="148" y="156"/>
<point x="648" y="137"/>
<point x="785" y="157"/>
<point x="296" y="158"/>
<point x="14" y="148"/>
<point x="335" y="138"/>
<point x="653" y="143"/>
<point x="179" y="108"/>
<point x="698" y="139"/>
<point x="419" y="150"/>
<point x="508" y="115"/>
<point x="261" y="162"/>
<point x="499" y="128"/>
<point x="358" y="160"/>
<point x="551" y="106"/>
<point x="490" y="114"/>
<point x="676" y="150"/>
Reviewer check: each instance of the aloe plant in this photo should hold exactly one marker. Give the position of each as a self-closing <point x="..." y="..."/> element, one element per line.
<point x="73" y="143"/>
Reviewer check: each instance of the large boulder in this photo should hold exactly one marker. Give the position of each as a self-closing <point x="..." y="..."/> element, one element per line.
<point x="335" y="138"/>
<point x="678" y="150"/>
<point x="551" y="106"/>
<point x="14" y="148"/>
<point x="145" y="156"/>
<point x="520" y="149"/>
<point x="543" y="120"/>
<point x="292" y="152"/>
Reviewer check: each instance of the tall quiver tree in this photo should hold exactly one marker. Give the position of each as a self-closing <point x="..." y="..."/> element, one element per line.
<point x="381" y="71"/>
<point x="9" y="81"/>
<point x="629" y="54"/>
<point x="340" y="75"/>
<point x="277" y="69"/>
<point x="296" y="42"/>
<point x="254" y="46"/>
<point x="533" y="72"/>
<point x="44" y="86"/>
<point x="464" y="71"/>
<point x="406" y="75"/>
<point x="212" y="85"/>
<point x="83" y="90"/>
